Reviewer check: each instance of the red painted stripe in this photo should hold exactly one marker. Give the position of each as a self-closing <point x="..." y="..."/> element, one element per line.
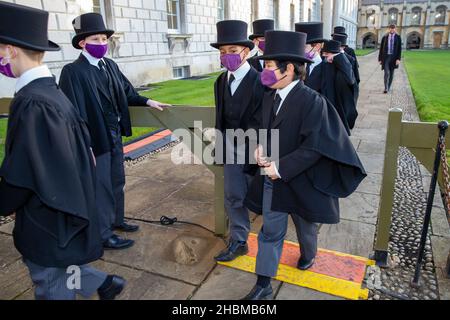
<point x="327" y="263"/>
<point x="146" y="141"/>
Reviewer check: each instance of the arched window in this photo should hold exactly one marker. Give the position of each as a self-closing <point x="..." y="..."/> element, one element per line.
<point x="416" y="14"/>
<point x="439" y="17"/>
<point x="393" y="16"/>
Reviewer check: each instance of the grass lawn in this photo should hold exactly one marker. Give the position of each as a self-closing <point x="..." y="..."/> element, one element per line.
<point x="429" y="75"/>
<point x="363" y="52"/>
<point x="186" y="92"/>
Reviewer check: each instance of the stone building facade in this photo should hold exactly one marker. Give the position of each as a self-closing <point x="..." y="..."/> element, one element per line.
<point x="158" y="40"/>
<point x="421" y="23"/>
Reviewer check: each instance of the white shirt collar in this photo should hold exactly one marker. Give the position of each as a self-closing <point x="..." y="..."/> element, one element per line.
<point x="31" y="75"/>
<point x="240" y="73"/>
<point x="316" y="61"/>
<point x="283" y="93"/>
<point x="92" y="60"/>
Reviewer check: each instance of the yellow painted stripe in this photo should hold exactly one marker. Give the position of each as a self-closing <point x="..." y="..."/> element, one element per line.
<point x="337" y="287"/>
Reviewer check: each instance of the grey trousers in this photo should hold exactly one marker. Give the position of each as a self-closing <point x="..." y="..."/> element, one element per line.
<point x="236" y="183"/>
<point x="388" y="73"/>
<point x="104" y="196"/>
<point x="118" y="177"/>
<point x="56" y="283"/>
<point x="272" y="234"/>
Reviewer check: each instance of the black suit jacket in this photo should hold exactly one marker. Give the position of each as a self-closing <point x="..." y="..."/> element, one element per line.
<point x="79" y="82"/>
<point x="317" y="162"/>
<point x="251" y="90"/>
<point x="397" y="53"/>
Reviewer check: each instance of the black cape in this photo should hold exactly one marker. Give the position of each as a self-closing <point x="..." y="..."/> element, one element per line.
<point x="318" y="163"/>
<point x="78" y="82"/>
<point x="355" y="67"/>
<point x="48" y="152"/>
<point x="338" y="81"/>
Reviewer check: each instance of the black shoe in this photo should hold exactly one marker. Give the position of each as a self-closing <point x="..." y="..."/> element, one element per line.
<point x="305" y="264"/>
<point x="125" y="227"/>
<point x="385" y="91"/>
<point x="117" y="243"/>
<point x="260" y="293"/>
<point x="114" y="288"/>
<point x="234" y="250"/>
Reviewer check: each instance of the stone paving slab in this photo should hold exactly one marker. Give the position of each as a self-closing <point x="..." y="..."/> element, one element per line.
<point x="8" y="253"/>
<point x="291" y="292"/>
<point x="143" y="285"/>
<point x="360" y="207"/>
<point x="14" y="280"/>
<point x="158" y="250"/>
<point x="373" y="163"/>
<point x="7" y="228"/>
<point x="371" y="184"/>
<point x="228" y="284"/>
<point x="371" y="147"/>
<point x="349" y="237"/>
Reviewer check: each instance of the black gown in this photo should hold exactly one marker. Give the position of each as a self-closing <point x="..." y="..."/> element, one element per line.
<point x="48" y="153"/>
<point x="79" y="82"/>
<point x="317" y="161"/>
<point x="336" y="81"/>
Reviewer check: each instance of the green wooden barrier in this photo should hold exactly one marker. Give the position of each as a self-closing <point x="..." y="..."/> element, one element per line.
<point x="421" y="139"/>
<point x="178" y="117"/>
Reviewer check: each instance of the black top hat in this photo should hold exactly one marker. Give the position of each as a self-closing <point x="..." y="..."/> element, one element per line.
<point x="314" y="31"/>
<point x="87" y="25"/>
<point x="342" y="38"/>
<point x="25" y="27"/>
<point x="232" y="32"/>
<point x="285" y="46"/>
<point x="339" y="29"/>
<point x="332" y="46"/>
<point x="261" y="26"/>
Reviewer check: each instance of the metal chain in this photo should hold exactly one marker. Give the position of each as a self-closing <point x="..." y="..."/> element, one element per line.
<point x="445" y="175"/>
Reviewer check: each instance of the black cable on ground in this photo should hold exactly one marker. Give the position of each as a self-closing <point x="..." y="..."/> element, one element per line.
<point x="166" y="221"/>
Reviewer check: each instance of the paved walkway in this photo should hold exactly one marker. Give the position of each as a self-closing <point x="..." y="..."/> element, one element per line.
<point x="176" y="262"/>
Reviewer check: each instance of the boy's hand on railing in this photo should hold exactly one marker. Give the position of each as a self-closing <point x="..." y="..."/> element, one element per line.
<point x="157" y="105"/>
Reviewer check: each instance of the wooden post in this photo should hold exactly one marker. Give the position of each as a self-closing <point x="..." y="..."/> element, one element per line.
<point x="387" y="187"/>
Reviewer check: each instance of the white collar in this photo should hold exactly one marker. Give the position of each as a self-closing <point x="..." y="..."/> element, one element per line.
<point x="92" y="60"/>
<point x="317" y="59"/>
<point x="240" y="73"/>
<point x="31" y="75"/>
<point x="283" y="93"/>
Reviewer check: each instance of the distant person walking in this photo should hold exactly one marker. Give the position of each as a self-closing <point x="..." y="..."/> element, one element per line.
<point x="390" y="55"/>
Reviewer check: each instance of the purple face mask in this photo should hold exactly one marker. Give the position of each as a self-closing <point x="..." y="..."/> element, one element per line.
<point x="97" y="50"/>
<point x="268" y="77"/>
<point x="231" y="61"/>
<point x="262" y="45"/>
<point x="6" y="69"/>
<point x="310" y="55"/>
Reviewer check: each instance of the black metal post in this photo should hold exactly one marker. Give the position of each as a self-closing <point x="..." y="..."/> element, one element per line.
<point x="443" y="125"/>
